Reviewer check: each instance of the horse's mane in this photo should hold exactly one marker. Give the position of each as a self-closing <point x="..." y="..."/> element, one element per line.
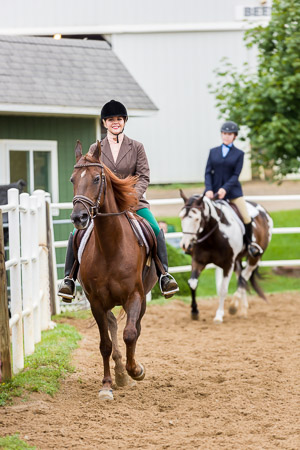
<point x="123" y="188"/>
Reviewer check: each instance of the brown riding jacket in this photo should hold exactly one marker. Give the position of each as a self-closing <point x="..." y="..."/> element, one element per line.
<point x="132" y="160"/>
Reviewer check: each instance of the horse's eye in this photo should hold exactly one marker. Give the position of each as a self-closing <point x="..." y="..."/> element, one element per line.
<point x="71" y="179"/>
<point x="97" y="179"/>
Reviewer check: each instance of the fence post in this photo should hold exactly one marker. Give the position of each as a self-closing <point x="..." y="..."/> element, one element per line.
<point x="33" y="201"/>
<point x="55" y="304"/>
<point x="5" y="357"/>
<point x="26" y="252"/>
<point x="15" y="280"/>
<point x="43" y="260"/>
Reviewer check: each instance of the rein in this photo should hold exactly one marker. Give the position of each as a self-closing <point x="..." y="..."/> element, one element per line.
<point x="199" y="240"/>
<point x="91" y="207"/>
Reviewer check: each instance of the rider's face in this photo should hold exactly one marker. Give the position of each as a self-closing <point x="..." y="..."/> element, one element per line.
<point x="114" y="124"/>
<point x="228" y="138"/>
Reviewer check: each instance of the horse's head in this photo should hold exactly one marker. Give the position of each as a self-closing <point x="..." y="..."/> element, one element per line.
<point x="193" y="218"/>
<point x="88" y="183"/>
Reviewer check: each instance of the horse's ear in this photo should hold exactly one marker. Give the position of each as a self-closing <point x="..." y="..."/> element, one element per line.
<point x="95" y="150"/>
<point x="200" y="200"/>
<point x="78" y="151"/>
<point x="184" y="198"/>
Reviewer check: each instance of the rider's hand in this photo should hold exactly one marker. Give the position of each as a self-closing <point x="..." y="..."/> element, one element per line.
<point x="221" y="193"/>
<point x="209" y="194"/>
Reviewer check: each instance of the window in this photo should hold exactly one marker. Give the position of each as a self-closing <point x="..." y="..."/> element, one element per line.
<point x="33" y="161"/>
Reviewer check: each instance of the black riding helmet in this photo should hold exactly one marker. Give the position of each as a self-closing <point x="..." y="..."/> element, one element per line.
<point x="230" y="127"/>
<point x="113" y="109"/>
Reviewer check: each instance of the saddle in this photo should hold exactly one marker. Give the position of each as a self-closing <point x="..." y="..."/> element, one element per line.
<point x="236" y="210"/>
<point x="143" y="232"/>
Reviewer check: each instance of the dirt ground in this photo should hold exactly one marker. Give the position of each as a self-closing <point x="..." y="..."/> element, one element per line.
<point x="249" y="188"/>
<point x="207" y="386"/>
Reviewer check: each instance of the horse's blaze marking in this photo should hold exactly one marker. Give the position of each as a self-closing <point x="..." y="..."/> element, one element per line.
<point x="83" y="173"/>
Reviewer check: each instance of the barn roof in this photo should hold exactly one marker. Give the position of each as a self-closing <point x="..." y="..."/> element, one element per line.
<point x="64" y="76"/>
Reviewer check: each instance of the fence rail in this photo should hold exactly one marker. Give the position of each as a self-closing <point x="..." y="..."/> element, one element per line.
<point x="179" y="201"/>
<point x="29" y="274"/>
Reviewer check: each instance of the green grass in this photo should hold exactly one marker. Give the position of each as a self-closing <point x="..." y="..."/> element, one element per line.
<point x="13" y="443"/>
<point x="82" y="314"/>
<point x="45" y="367"/>
<point x="281" y="247"/>
<point x="177" y="186"/>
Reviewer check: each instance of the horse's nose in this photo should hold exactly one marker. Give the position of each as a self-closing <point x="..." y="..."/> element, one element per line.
<point x="80" y="219"/>
<point x="188" y="251"/>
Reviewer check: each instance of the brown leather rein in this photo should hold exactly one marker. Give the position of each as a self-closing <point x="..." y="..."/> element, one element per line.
<point x="94" y="208"/>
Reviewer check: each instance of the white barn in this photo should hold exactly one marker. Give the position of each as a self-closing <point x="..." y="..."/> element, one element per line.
<point x="171" y="47"/>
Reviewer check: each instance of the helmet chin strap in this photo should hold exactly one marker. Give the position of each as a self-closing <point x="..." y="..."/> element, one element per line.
<point x="118" y="134"/>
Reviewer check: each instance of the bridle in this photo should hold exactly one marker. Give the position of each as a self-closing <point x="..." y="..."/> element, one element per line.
<point x="203" y="238"/>
<point x="92" y="208"/>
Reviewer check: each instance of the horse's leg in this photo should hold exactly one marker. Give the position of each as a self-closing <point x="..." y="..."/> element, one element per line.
<point x="234" y="304"/>
<point x="121" y="377"/>
<point x="105" y="348"/>
<point x="193" y="283"/>
<point x="246" y="273"/>
<point x="223" y="289"/>
<point x="135" y="308"/>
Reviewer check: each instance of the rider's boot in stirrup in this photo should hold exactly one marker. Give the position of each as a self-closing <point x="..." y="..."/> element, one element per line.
<point x="253" y="248"/>
<point x="67" y="287"/>
<point x="167" y="283"/>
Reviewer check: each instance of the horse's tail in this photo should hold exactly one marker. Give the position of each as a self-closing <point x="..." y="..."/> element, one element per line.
<point x="253" y="280"/>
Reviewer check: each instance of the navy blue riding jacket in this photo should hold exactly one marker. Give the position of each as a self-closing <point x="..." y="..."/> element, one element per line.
<point x="223" y="172"/>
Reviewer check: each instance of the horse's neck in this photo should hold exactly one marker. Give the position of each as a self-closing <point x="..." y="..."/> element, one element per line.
<point x="109" y="229"/>
<point x="214" y="216"/>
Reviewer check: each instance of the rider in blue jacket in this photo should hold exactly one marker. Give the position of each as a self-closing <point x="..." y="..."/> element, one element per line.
<point x="222" y="173"/>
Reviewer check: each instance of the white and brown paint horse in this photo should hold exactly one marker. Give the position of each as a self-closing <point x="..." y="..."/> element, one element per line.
<point x="212" y="234"/>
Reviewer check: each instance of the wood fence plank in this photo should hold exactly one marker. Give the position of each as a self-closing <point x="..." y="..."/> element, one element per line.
<point x="5" y="355"/>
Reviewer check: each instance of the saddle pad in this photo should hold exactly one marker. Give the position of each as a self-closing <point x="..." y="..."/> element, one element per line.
<point x="225" y="204"/>
<point x="252" y="210"/>
<point x="140" y="231"/>
<point x="84" y="240"/>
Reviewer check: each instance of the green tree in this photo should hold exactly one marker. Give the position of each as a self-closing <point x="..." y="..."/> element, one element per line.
<point x="268" y="100"/>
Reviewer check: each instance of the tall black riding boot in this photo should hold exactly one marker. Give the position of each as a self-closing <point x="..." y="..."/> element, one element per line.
<point x="67" y="287"/>
<point x="167" y="283"/>
<point x="253" y="248"/>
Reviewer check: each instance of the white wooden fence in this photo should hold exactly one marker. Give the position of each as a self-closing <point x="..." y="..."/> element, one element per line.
<point x="28" y="265"/>
<point x="179" y="201"/>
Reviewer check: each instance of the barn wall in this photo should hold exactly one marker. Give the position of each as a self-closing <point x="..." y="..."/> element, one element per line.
<point x="65" y="131"/>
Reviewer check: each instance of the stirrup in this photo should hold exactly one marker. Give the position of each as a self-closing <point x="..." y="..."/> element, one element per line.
<point x="168" y="293"/>
<point x="259" y="250"/>
<point x="70" y="294"/>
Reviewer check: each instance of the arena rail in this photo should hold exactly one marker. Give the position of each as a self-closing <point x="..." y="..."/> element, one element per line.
<point x="28" y="265"/>
<point x="179" y="201"/>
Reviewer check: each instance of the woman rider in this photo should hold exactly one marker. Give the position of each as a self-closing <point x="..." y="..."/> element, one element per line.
<point x="124" y="156"/>
<point x="222" y="171"/>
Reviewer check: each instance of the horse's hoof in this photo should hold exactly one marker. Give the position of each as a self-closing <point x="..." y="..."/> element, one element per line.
<point x="232" y="310"/>
<point x="106" y="394"/>
<point x="195" y="316"/>
<point x="121" y="379"/>
<point x="141" y="376"/>
<point x="218" y="321"/>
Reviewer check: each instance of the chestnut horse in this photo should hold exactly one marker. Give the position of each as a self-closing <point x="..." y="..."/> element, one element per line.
<point x="112" y="262"/>
<point x="212" y="233"/>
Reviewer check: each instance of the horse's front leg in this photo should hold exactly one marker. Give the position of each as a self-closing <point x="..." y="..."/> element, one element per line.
<point x="222" y="283"/>
<point x="105" y="349"/>
<point x="193" y="283"/>
<point x="135" y="308"/>
<point x="121" y="377"/>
